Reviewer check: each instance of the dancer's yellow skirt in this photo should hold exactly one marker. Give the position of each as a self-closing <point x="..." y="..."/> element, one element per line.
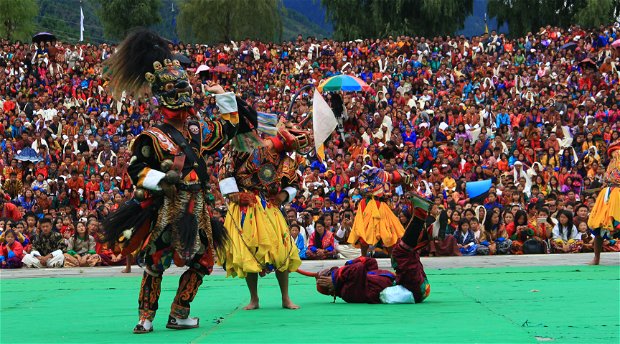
<point x="260" y="244"/>
<point x="606" y="210"/>
<point x="375" y="221"/>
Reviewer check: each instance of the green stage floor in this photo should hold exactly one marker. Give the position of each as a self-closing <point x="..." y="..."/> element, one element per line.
<point x="578" y="304"/>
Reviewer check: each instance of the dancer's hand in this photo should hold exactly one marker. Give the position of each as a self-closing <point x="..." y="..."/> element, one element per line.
<point x="280" y="198"/>
<point x="168" y="189"/>
<point x="214" y="88"/>
<point x="243" y="199"/>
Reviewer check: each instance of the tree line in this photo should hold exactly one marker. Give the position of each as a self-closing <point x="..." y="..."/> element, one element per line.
<point x="212" y="21"/>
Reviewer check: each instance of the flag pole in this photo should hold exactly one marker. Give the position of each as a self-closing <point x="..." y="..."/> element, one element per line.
<point x="486" y="25"/>
<point x="81" y="23"/>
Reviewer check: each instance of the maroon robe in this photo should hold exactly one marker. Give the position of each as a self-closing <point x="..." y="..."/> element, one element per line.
<point x="410" y="272"/>
<point x="361" y="281"/>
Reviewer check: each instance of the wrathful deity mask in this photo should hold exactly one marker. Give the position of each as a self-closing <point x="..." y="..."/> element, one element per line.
<point x="170" y="85"/>
<point x="301" y="140"/>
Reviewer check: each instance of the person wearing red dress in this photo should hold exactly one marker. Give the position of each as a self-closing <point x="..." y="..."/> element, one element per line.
<point x="9" y="210"/>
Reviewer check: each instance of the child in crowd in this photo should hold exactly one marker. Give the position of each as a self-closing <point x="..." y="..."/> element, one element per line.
<point x="466" y="239"/>
<point x="565" y="236"/>
<point x="298" y="239"/>
<point x="11" y="251"/>
<point x="81" y="249"/>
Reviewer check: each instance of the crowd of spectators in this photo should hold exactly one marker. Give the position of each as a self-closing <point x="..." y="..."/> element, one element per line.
<point x="534" y="114"/>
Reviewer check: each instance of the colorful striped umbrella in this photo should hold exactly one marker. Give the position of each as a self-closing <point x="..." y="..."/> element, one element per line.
<point x="343" y="83"/>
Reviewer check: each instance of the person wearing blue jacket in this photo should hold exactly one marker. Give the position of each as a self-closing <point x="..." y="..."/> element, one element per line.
<point x="298" y="238"/>
<point x="502" y="118"/>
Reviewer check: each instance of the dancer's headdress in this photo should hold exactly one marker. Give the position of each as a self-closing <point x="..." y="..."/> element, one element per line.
<point x="614" y="146"/>
<point x="144" y="59"/>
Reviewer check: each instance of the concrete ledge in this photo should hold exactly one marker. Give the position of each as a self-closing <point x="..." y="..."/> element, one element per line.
<point x="610" y="259"/>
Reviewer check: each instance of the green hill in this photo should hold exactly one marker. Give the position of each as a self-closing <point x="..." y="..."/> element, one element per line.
<point x="62" y="18"/>
<point x="294" y="23"/>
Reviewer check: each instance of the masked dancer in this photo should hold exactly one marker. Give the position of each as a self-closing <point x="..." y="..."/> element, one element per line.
<point x="361" y="281"/>
<point x="168" y="219"/>
<point x="374" y="220"/>
<point x="257" y="184"/>
<point x="605" y="215"/>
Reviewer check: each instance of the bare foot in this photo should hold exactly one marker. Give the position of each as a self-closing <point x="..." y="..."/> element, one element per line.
<point x="595" y="262"/>
<point x="126" y="270"/>
<point x="251" y="306"/>
<point x="288" y="304"/>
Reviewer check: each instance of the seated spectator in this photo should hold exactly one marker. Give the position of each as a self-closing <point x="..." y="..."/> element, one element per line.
<point x="586" y="237"/>
<point x="443" y="243"/>
<point x="537" y="130"/>
<point x="545" y="223"/>
<point x="565" y="236"/>
<point x="81" y="249"/>
<point x="12" y="186"/>
<point x="494" y="238"/>
<point x="492" y="202"/>
<point x="298" y="239"/>
<point x="111" y="257"/>
<point x="338" y="195"/>
<point x="47" y="248"/>
<point x="526" y="238"/>
<point x="474" y="226"/>
<point x="342" y="236"/>
<point x="613" y="244"/>
<point x="465" y="239"/>
<point x="321" y="242"/>
<point x="9" y="210"/>
<point x="11" y="251"/>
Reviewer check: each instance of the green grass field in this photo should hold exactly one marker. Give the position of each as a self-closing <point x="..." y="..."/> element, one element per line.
<point x="518" y="305"/>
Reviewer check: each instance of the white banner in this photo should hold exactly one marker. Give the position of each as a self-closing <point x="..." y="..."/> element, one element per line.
<point x="323" y="120"/>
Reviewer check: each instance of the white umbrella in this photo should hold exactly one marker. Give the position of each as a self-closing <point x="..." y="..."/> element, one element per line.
<point x="202" y="68"/>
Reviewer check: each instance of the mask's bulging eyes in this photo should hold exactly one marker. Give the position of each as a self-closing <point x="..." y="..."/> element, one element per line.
<point x="169" y="86"/>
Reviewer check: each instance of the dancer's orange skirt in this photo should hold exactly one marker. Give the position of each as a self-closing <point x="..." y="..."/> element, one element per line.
<point x="606" y="209"/>
<point x="375" y="221"/>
